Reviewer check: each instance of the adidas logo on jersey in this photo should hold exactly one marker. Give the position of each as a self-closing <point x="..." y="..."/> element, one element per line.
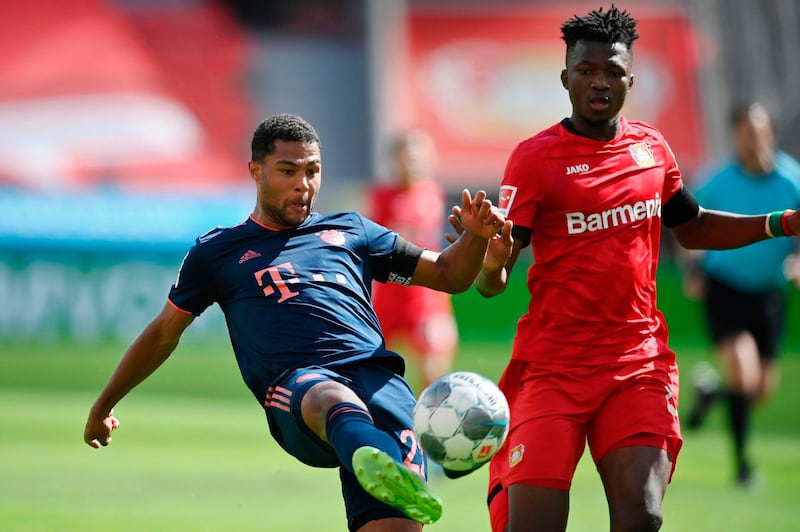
<point x="249" y="254"/>
<point x="579" y="222"/>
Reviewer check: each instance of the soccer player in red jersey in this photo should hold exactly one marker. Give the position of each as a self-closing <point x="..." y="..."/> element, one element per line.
<point x="412" y="204"/>
<point x="590" y="360"/>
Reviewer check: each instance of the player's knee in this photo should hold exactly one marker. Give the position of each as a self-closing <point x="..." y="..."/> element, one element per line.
<point x="641" y="519"/>
<point x="651" y="521"/>
<point x="320" y="398"/>
<point x="327" y="394"/>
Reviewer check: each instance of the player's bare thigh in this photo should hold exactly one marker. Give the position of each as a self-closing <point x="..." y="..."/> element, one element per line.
<point x="537" y="508"/>
<point x="635" y="480"/>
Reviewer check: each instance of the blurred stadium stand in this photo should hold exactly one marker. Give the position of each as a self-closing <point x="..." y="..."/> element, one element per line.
<point x="125" y="124"/>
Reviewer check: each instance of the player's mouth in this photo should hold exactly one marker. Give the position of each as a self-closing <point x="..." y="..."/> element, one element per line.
<point x="599" y="103"/>
<point x="299" y="206"/>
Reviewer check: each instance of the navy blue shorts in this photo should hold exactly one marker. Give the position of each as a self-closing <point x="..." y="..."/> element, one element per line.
<point x="391" y="404"/>
<point x="730" y="311"/>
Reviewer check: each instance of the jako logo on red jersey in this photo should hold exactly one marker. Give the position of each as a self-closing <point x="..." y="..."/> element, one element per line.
<point x="577" y="168"/>
<point x="579" y="222"/>
<point x="507" y="193"/>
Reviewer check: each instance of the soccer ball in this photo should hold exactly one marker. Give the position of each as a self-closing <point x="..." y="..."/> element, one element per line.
<point x="461" y="420"/>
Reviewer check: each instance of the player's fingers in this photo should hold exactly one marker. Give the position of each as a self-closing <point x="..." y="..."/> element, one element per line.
<point x="466" y="199"/>
<point x="479" y="199"/>
<point x="487" y="212"/>
<point x="455" y="222"/>
<point x="505" y="232"/>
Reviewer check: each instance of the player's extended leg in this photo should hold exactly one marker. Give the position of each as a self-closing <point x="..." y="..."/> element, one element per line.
<point x="537" y="509"/>
<point x="635" y="480"/>
<point x="338" y="416"/>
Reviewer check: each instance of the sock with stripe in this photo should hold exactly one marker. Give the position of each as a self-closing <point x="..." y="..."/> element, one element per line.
<point x="350" y="426"/>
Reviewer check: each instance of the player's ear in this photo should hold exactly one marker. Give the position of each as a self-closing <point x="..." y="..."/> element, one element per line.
<point x="630" y="82"/>
<point x="255" y="170"/>
<point x="564" y="79"/>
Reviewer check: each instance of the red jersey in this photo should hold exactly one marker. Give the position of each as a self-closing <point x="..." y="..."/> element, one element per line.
<point x="594" y="211"/>
<point x="417" y="213"/>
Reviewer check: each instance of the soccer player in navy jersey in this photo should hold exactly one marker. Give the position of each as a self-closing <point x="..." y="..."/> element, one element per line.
<point x="590" y="361"/>
<point x="294" y="287"/>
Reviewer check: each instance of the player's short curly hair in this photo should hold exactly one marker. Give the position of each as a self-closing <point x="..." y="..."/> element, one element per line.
<point x="609" y="26"/>
<point x="288" y="127"/>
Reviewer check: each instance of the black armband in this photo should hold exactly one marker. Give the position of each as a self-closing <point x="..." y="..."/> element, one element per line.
<point x="399" y="266"/>
<point x="680" y="208"/>
<point x="523" y="234"/>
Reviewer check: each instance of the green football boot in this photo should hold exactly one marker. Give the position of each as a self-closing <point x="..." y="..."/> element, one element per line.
<point x="396" y="485"/>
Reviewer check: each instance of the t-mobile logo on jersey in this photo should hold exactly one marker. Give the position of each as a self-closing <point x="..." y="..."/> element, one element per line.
<point x="579" y="222"/>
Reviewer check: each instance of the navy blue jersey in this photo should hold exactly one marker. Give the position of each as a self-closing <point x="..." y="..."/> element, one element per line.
<point x="291" y="298"/>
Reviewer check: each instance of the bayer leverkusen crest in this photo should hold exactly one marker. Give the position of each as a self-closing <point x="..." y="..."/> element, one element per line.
<point x="643" y="155"/>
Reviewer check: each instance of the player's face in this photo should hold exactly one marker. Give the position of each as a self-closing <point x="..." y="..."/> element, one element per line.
<point x="287" y="182"/>
<point x="598" y="78"/>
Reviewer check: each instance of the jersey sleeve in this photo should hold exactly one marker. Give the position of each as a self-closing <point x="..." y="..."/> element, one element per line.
<point x="393" y="258"/>
<point x="673" y="180"/>
<point x="519" y="195"/>
<point x="192" y="289"/>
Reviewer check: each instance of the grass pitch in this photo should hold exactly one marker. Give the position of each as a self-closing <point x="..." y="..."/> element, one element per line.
<point x="193" y="453"/>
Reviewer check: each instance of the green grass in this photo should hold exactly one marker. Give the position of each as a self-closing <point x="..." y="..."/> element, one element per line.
<point x="193" y="453"/>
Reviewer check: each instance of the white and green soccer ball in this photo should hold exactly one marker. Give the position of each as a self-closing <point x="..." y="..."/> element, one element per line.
<point x="461" y="420"/>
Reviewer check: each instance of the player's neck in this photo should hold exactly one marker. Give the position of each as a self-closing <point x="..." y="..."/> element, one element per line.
<point x="601" y="131"/>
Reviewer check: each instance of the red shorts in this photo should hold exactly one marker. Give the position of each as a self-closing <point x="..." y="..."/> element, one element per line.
<point x="555" y="411"/>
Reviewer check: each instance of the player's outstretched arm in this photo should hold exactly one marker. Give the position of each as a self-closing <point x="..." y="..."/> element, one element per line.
<point x="150" y="349"/>
<point x="724" y="230"/>
<point x="455" y="268"/>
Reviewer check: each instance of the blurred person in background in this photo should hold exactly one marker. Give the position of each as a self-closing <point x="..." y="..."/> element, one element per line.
<point x="294" y="288"/>
<point x="412" y="203"/>
<point x="744" y="290"/>
<point x="590" y="362"/>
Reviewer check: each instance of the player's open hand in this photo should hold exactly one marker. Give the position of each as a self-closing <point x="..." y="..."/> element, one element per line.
<point x="98" y="429"/>
<point x="500" y="245"/>
<point x="478" y="216"/>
